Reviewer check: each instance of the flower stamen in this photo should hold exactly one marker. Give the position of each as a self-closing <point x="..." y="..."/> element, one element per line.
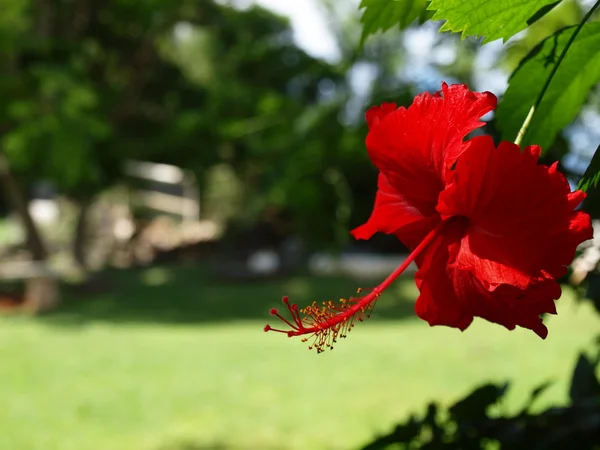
<point x="324" y="324"/>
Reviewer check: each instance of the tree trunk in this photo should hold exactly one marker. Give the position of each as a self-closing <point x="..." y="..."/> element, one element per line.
<point x="79" y="239"/>
<point x="18" y="201"/>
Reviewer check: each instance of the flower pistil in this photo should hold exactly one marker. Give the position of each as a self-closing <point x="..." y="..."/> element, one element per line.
<point x="328" y="322"/>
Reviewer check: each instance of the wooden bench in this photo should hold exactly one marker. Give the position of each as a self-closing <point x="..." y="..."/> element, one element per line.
<point x="41" y="291"/>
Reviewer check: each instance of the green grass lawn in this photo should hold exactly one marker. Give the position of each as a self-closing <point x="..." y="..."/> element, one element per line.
<point x="169" y="359"/>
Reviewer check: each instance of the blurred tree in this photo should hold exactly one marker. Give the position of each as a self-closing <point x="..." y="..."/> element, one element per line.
<point x="88" y="84"/>
<point x="260" y="92"/>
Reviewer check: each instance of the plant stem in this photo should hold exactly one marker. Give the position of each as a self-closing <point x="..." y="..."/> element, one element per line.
<point x="539" y="98"/>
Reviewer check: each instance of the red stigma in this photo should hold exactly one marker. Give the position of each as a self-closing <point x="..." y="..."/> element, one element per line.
<point x="324" y="323"/>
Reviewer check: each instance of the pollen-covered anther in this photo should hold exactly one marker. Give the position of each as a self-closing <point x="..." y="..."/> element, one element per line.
<point x="323" y="324"/>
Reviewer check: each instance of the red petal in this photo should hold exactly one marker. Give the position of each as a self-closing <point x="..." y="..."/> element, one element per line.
<point x="413" y="148"/>
<point x="452" y="297"/>
<point x="522" y="222"/>
<point x="510" y="307"/>
<point x="376" y="113"/>
<point x="429" y="133"/>
<point x="438" y="302"/>
<point x="409" y="217"/>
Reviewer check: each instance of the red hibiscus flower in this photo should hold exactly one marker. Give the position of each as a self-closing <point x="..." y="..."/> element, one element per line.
<point x="414" y="150"/>
<point x="490" y="229"/>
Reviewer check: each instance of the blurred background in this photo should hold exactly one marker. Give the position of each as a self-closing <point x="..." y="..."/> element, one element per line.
<point x="170" y="168"/>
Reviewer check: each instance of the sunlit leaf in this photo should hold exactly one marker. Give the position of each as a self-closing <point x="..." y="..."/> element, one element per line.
<point x="569" y="89"/>
<point x="381" y="15"/>
<point x="591" y="177"/>
<point x="490" y="19"/>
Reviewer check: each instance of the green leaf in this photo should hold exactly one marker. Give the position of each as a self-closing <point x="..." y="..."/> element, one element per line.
<point x="381" y="15"/>
<point x="491" y="19"/>
<point x="591" y="177"/>
<point x="539" y="390"/>
<point x="569" y="89"/>
<point x="477" y="402"/>
<point x="584" y="383"/>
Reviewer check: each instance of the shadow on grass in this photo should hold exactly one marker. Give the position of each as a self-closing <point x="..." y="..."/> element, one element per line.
<point x="193" y="446"/>
<point x="218" y="446"/>
<point x="188" y="294"/>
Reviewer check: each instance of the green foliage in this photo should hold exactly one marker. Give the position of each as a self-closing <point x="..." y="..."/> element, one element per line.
<point x="490" y="19"/>
<point x="14" y="23"/>
<point x="584" y="382"/>
<point x="381" y="15"/>
<point x="478" y="402"/>
<point x="569" y="89"/>
<point x="55" y="129"/>
<point x="567" y="13"/>
<point x="591" y="177"/>
<point x="470" y="422"/>
<point x="192" y="84"/>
